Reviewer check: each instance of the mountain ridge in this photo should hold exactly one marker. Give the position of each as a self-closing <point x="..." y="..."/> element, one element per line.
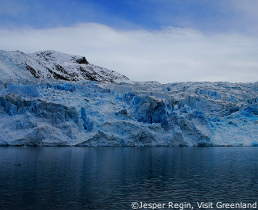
<point x="55" y="65"/>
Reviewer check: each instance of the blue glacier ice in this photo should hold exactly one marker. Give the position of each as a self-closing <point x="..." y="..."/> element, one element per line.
<point x="62" y="100"/>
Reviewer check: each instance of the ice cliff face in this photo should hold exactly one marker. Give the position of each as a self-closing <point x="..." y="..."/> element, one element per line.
<point x="37" y="111"/>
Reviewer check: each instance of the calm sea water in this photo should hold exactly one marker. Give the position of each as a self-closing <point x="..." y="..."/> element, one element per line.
<point x="113" y="178"/>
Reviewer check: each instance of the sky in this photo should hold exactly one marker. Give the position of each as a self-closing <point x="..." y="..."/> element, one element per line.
<point x="146" y="40"/>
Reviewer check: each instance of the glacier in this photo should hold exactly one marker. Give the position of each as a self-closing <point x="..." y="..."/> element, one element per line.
<point x="54" y="99"/>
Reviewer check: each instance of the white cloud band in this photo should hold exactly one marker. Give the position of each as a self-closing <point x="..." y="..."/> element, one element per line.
<point x="169" y="55"/>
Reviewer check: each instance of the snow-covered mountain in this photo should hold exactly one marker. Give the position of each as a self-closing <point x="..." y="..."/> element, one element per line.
<point x="53" y="65"/>
<point x="38" y="108"/>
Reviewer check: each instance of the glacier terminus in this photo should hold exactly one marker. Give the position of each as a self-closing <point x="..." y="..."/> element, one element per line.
<point x="51" y="98"/>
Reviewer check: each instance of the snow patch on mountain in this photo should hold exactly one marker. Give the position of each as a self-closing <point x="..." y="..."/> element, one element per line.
<point x="53" y="65"/>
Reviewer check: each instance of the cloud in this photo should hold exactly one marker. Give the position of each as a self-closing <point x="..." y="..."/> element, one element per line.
<point x="167" y="55"/>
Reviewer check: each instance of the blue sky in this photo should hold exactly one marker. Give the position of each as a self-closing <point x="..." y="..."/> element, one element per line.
<point x="208" y="16"/>
<point x="183" y="40"/>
